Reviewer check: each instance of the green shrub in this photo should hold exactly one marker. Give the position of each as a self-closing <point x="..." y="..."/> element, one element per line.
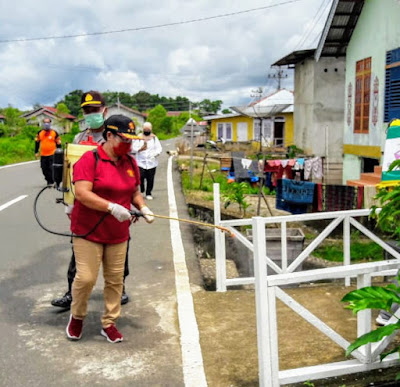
<point x="16" y="149"/>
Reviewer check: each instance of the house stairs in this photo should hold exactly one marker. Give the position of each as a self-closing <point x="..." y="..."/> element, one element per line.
<point x="367" y="179"/>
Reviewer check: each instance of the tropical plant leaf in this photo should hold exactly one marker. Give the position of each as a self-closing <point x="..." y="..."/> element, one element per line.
<point x="371" y="297"/>
<point x="372" y="337"/>
<point x="394" y="350"/>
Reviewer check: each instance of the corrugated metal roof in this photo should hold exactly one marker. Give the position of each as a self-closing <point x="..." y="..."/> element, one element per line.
<point x="294" y="57"/>
<point x="219" y="116"/>
<point x="271" y="105"/>
<point x="339" y="27"/>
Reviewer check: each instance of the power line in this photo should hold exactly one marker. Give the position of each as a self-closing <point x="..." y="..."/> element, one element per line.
<point x="314" y="22"/>
<point x="148" y="27"/>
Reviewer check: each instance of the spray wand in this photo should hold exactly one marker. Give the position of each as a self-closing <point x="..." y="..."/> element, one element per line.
<point x="138" y="214"/>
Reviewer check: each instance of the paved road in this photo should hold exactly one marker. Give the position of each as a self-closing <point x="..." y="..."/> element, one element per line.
<point x="33" y="264"/>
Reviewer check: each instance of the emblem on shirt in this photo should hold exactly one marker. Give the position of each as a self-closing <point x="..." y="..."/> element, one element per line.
<point x="130" y="172"/>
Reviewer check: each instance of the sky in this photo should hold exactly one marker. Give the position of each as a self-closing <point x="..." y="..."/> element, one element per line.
<point x="199" y="49"/>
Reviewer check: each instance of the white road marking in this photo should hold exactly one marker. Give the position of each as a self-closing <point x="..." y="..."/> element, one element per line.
<point x="11" y="202"/>
<point x="192" y="359"/>
<point x="18" y="164"/>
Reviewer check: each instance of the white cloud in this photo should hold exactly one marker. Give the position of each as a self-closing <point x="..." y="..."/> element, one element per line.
<point x="221" y="58"/>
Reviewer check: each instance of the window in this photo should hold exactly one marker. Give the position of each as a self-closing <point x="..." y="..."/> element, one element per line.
<point x="266" y="128"/>
<point x="392" y="85"/>
<point x="224" y="131"/>
<point x="362" y="96"/>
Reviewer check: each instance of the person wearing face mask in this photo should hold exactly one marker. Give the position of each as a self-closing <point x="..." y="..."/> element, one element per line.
<point x="147" y="150"/>
<point x="47" y="140"/>
<point x="94" y="111"/>
<point x="106" y="181"/>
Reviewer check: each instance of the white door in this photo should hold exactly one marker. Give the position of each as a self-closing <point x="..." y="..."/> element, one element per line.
<point x="242" y="131"/>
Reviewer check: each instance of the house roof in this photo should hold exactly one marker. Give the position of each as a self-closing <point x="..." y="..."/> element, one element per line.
<point x="1" y="116"/>
<point x="294" y="57"/>
<point x="339" y="27"/>
<point x="220" y="116"/>
<point x="335" y="37"/>
<point x="275" y="103"/>
<point x="49" y="110"/>
<point x="174" y="113"/>
<point x="121" y="106"/>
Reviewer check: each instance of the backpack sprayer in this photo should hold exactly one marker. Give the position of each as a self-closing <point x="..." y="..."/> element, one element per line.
<point x="63" y="163"/>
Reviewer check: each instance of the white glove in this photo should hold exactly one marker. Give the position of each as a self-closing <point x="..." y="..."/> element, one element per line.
<point x="119" y="212"/>
<point x="147" y="214"/>
<point x="68" y="209"/>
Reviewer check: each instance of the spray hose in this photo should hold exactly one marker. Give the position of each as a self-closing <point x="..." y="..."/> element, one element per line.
<point x="135" y="214"/>
<point x="224" y="229"/>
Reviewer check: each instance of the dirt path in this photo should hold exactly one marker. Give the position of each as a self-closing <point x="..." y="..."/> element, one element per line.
<point x="229" y="344"/>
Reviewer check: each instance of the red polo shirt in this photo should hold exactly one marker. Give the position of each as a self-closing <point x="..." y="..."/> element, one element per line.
<point x="112" y="181"/>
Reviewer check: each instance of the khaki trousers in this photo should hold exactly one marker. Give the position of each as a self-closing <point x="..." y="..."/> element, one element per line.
<point x="89" y="256"/>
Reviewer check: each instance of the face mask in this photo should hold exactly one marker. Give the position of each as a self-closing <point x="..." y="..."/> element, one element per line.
<point x="122" y="148"/>
<point x="146" y="132"/>
<point x="94" y="120"/>
<point x="46" y="125"/>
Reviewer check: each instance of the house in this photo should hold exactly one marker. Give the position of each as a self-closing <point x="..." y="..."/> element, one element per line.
<point x="197" y="129"/>
<point x="2" y="119"/>
<point x="118" y="108"/>
<point x="270" y="118"/>
<point x="319" y="89"/>
<point x="372" y="92"/>
<point x="60" y="122"/>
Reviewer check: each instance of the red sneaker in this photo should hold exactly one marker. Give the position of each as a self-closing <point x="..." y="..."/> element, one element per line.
<point x="112" y="334"/>
<point x="74" y="328"/>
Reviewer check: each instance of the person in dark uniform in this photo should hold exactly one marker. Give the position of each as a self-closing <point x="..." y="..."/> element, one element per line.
<point x="94" y="111"/>
<point x="47" y="140"/>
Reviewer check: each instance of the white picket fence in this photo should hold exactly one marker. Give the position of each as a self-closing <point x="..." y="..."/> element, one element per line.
<point x="267" y="289"/>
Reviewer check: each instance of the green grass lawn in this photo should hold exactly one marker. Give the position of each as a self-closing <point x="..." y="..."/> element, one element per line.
<point x="359" y="251"/>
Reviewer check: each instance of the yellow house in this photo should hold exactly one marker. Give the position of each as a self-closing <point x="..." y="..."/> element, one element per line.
<point x="270" y="117"/>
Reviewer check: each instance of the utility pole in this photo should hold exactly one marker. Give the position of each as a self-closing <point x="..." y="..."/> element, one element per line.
<point x="191" y="145"/>
<point x="278" y="76"/>
<point x="256" y="94"/>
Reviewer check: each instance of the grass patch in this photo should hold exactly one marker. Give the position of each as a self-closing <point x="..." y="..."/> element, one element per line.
<point x="359" y="251"/>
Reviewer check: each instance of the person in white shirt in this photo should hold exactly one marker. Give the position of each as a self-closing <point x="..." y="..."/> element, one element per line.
<point x="147" y="149"/>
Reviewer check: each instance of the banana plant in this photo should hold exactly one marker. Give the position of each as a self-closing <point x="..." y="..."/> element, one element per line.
<point x="236" y="194"/>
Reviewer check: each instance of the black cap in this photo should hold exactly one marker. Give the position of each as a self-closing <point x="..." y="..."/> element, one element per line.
<point x="92" y="98"/>
<point x="122" y="125"/>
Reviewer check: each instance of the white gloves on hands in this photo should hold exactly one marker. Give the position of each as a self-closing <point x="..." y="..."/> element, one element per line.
<point x="147" y="214"/>
<point x="119" y="212"/>
<point x="68" y="209"/>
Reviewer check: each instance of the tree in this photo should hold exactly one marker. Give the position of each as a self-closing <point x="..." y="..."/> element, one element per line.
<point x="143" y="100"/>
<point x="73" y="102"/>
<point x="62" y="110"/>
<point x="166" y="125"/>
<point x="226" y="111"/>
<point x="206" y="106"/>
<point x="156" y="117"/>
<point x="13" y="120"/>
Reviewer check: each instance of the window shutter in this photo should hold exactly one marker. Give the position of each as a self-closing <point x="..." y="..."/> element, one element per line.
<point x="392" y="85"/>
